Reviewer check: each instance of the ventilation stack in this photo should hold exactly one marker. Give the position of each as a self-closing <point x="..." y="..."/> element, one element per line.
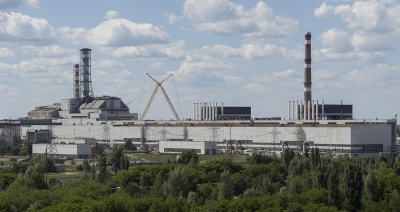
<point x="307" y="71"/>
<point x="76" y="82"/>
<point x="86" y="81"/>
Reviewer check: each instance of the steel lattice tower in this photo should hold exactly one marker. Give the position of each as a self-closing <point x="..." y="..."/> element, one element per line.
<point x="51" y="146"/>
<point x="106" y="133"/>
<point x="274" y="137"/>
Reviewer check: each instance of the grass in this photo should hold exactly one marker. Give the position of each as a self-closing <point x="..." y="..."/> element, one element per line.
<point x="70" y="168"/>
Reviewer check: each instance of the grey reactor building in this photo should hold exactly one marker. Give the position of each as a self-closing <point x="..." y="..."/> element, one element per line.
<point x="71" y="128"/>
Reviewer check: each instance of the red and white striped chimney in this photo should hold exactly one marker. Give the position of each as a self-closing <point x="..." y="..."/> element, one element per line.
<point x="307" y="68"/>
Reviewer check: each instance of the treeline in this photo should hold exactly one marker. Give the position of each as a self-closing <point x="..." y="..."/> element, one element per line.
<point x="292" y="183"/>
<point x="17" y="147"/>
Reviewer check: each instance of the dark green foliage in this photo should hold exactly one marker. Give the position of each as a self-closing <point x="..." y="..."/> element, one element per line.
<point x="102" y="169"/>
<point x="333" y="185"/>
<point x="124" y="162"/>
<point x="315" y="157"/>
<point x="54" y="183"/>
<point x="47" y="162"/>
<point x="6" y="179"/>
<point x="178" y="183"/>
<point x="16" y="168"/>
<point x="288" y="155"/>
<point x="116" y="158"/>
<point x="79" y="168"/>
<point x="372" y="191"/>
<point x="18" y="147"/>
<point x="225" y="187"/>
<point x="188" y="156"/>
<point x="128" y="145"/>
<point x="353" y="183"/>
<point x="259" y="158"/>
<point x="86" y="166"/>
<point x="219" y="185"/>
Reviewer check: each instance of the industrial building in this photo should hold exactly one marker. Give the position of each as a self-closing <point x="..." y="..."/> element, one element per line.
<point x="176" y="147"/>
<point x="77" y="123"/>
<point x="211" y="111"/>
<point x="67" y="151"/>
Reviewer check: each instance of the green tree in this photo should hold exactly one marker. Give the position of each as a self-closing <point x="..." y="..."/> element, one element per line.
<point x="297" y="185"/>
<point x="225" y="187"/>
<point x="178" y="184"/>
<point x="46" y="161"/>
<point x="187" y="156"/>
<point x="86" y="166"/>
<point x="394" y="201"/>
<point x="288" y="156"/>
<point x="129" y="145"/>
<point x="53" y="182"/>
<point x="192" y="197"/>
<point x="372" y="191"/>
<point x="34" y="177"/>
<point x="353" y="187"/>
<point x="157" y="189"/>
<point x="93" y="172"/>
<point x="333" y="187"/>
<point x="116" y="157"/>
<point x="125" y="162"/>
<point x="102" y="169"/>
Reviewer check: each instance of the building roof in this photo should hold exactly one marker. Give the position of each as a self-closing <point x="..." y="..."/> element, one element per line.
<point x="95" y="104"/>
<point x="49" y="108"/>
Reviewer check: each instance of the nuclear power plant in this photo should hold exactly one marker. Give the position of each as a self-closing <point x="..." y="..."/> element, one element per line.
<point x="70" y="128"/>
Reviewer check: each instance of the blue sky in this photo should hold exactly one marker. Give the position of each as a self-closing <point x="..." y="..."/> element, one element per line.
<point x="241" y="53"/>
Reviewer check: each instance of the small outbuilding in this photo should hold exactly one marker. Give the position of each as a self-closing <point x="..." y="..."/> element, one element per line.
<point x="176" y="147"/>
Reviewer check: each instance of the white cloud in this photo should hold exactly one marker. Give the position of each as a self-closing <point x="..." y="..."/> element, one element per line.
<point x="323" y="11"/>
<point x="9" y="91"/>
<point x="336" y="40"/>
<point x="226" y="18"/>
<point x="7" y="4"/>
<point x="349" y="57"/>
<point x="172" y="18"/>
<point x="16" y="27"/>
<point x="286" y="74"/>
<point x="246" y="51"/>
<point x="370" y="17"/>
<point x="6" y="53"/>
<point x="108" y="63"/>
<point x="156" y="65"/>
<point x="48" y="51"/>
<point x="170" y="51"/>
<point x="377" y="42"/>
<point x="111" y="15"/>
<point x="200" y="74"/>
<point x="318" y="75"/>
<point x="41" y="68"/>
<point x="117" y="33"/>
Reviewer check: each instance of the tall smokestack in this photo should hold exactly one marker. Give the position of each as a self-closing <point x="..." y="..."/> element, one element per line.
<point x="86" y="81"/>
<point x="76" y="82"/>
<point x="307" y="68"/>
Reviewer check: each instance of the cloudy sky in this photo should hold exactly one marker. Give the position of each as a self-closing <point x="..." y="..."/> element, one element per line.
<point x="239" y="52"/>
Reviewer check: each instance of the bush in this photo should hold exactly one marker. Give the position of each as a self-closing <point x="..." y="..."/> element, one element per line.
<point x="79" y="167"/>
<point x="13" y="159"/>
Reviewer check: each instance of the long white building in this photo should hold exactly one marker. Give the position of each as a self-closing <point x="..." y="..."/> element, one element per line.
<point x="353" y="137"/>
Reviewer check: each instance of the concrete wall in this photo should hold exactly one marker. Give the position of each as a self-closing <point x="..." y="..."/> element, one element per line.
<point x="64" y="149"/>
<point x="324" y="135"/>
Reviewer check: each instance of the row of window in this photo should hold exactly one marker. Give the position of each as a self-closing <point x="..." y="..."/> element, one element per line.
<point x="179" y="150"/>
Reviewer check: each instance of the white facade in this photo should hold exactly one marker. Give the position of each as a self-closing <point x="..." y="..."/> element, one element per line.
<point x="355" y="137"/>
<point x="201" y="147"/>
<point x="65" y="150"/>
